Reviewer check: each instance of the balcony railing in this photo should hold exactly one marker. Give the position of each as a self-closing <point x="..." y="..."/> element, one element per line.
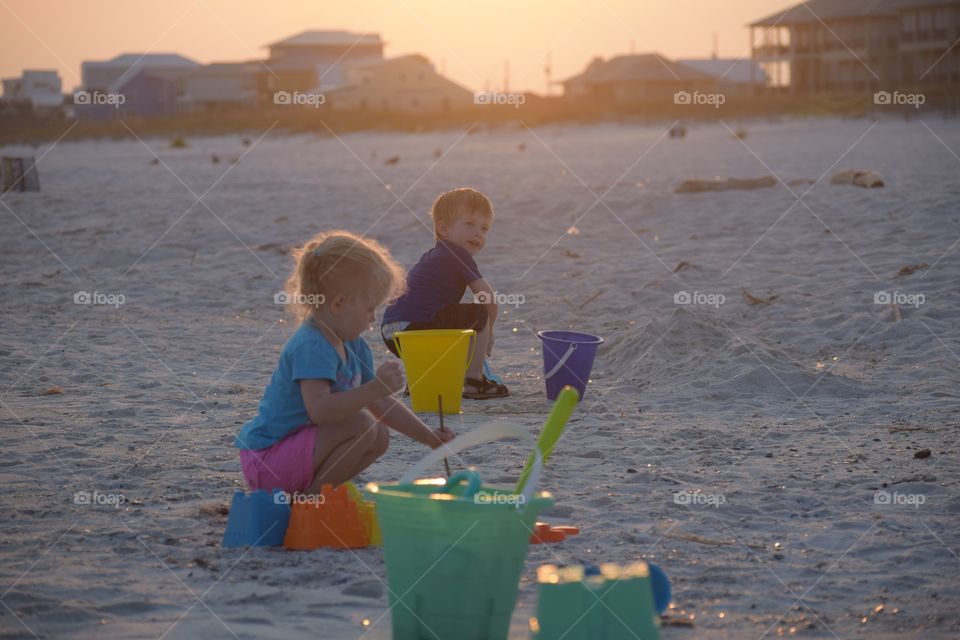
<point x="771" y="50"/>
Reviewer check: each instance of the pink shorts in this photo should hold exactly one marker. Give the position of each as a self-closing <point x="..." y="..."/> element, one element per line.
<point x="287" y="465"/>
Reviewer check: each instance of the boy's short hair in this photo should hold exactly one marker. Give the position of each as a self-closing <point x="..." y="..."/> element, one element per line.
<point x="451" y="205"/>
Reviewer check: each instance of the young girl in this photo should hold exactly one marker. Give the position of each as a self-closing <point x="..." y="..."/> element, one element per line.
<point x="321" y="419"/>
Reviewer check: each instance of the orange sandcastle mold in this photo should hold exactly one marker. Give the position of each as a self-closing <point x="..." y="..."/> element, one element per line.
<point x="543" y="533"/>
<point x="339" y="518"/>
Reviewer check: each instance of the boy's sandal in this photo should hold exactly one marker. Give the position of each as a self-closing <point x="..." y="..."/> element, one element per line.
<point x="485" y="388"/>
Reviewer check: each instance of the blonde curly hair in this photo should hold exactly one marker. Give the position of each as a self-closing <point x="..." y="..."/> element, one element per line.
<point x="340" y="262"/>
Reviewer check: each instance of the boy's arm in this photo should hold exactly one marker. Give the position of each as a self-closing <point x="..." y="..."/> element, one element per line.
<point x="395" y="415"/>
<point x="324" y="407"/>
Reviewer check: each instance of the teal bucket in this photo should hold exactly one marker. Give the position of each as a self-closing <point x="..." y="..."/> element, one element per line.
<point x="454" y="553"/>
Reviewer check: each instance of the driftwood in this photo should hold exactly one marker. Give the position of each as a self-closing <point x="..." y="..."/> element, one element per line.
<point x="910" y="268"/>
<point x="865" y="179"/>
<point x="719" y="184"/>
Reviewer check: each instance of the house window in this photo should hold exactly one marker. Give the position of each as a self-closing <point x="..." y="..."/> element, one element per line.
<point x="909" y="22"/>
<point x="940" y="19"/>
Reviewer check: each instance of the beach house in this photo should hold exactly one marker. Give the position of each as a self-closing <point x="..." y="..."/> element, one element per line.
<point x="314" y="61"/>
<point x="822" y="46"/>
<point x="39" y="91"/>
<point x="630" y="81"/>
<point x="132" y="84"/>
<point x="219" y="86"/>
<point x="407" y="83"/>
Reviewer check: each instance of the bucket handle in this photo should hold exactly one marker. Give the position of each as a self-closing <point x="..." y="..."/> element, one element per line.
<point x="562" y="361"/>
<point x="482" y="435"/>
<point x="396" y="343"/>
<point x="472" y="478"/>
<point x="471" y="347"/>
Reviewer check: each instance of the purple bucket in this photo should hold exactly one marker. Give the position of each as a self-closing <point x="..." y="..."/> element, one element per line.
<point x="567" y="360"/>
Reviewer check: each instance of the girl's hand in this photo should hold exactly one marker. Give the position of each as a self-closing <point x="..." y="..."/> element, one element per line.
<point x="442" y="437"/>
<point x="390" y="377"/>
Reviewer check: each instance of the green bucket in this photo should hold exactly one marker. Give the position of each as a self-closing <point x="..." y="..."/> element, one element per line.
<point x="454" y="553"/>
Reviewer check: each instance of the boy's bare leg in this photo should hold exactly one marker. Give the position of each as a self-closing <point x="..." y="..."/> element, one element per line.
<point x="344" y="449"/>
<point x="479" y="353"/>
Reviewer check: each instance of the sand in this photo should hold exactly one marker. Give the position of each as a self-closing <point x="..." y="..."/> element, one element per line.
<point x="787" y="404"/>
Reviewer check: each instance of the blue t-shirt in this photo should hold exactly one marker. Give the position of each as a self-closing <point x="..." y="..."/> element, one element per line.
<point x="437" y="280"/>
<point x="308" y="355"/>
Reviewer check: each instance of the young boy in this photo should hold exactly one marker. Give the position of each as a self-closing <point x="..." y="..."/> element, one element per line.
<point x="435" y="285"/>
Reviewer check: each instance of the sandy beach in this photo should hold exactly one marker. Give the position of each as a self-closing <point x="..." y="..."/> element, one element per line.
<point x="815" y="422"/>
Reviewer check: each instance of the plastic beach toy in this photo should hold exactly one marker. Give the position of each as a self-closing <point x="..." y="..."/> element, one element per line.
<point x="487" y="371"/>
<point x="661" y="588"/>
<point x="552" y="430"/>
<point x="258" y="519"/>
<point x="454" y="548"/>
<point x="568" y="606"/>
<point x="339" y="517"/>
<point x="545" y="533"/>
<point x="436" y="361"/>
<point x="567" y="359"/>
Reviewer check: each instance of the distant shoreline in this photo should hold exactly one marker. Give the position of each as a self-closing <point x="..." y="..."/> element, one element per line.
<point x="536" y="111"/>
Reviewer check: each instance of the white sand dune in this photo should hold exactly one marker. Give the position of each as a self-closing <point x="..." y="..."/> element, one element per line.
<point x="796" y="412"/>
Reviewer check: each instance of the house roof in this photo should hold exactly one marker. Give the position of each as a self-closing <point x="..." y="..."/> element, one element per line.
<point x="146" y="60"/>
<point x="817" y="10"/>
<point x="729" y="69"/>
<point x="329" y="39"/>
<point x="648" y="67"/>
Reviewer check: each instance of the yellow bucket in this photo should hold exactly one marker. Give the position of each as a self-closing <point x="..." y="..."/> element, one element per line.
<point x="436" y="361"/>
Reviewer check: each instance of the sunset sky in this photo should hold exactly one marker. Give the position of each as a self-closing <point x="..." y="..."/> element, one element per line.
<point x="469" y="41"/>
